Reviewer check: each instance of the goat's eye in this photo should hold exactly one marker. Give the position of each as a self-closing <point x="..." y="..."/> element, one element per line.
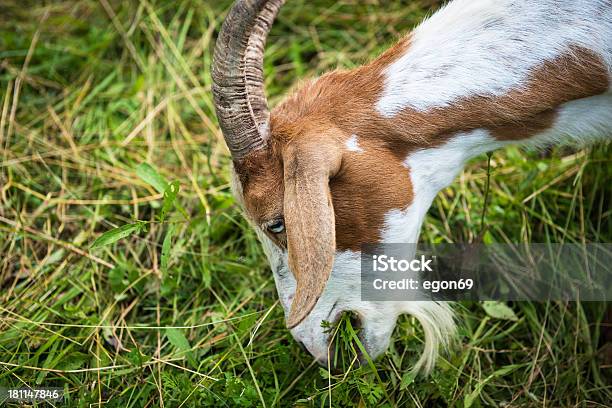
<point x="276" y="227"/>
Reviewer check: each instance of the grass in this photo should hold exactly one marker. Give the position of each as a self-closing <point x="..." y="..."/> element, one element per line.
<point x="90" y="90"/>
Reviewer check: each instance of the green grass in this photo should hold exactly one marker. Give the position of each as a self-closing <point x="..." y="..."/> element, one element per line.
<point x="89" y="90"/>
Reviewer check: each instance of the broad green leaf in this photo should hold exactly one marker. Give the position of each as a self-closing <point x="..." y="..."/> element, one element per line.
<point x="150" y="176"/>
<point x="471" y="397"/>
<point x="170" y="193"/>
<point x="180" y="342"/>
<point x="324" y="373"/>
<point x="73" y="361"/>
<point x="165" y="252"/>
<point x="178" y="339"/>
<point x="407" y="379"/>
<point x="488" y="238"/>
<point x="116" y="234"/>
<point x="135" y="357"/>
<point x="499" y="310"/>
<point x="115" y="278"/>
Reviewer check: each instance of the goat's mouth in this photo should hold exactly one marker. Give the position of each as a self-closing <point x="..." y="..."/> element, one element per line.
<point x="346" y="344"/>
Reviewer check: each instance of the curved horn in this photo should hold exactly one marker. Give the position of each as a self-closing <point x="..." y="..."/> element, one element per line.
<point x="237" y="73"/>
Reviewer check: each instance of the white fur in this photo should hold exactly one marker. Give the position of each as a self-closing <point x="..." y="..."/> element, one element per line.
<point x="430" y="171"/>
<point x="488" y="47"/>
<point x="579" y="122"/>
<point x="352" y="144"/>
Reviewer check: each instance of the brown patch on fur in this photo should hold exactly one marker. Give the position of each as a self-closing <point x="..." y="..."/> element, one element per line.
<point x="526" y="128"/>
<point x="371" y="183"/>
<point x="577" y="74"/>
<point x="368" y="186"/>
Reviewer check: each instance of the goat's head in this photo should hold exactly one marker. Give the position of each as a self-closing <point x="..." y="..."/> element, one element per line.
<point x="316" y="181"/>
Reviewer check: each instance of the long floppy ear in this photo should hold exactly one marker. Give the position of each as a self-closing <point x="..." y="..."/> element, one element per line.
<point x="310" y="222"/>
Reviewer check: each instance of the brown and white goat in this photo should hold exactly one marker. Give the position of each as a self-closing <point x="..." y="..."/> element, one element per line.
<point x="358" y="156"/>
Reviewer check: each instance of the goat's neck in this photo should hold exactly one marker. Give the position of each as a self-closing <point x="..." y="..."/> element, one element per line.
<point x="481" y="74"/>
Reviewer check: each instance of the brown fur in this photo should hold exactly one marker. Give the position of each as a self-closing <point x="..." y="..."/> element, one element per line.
<point x="261" y="178"/>
<point x="364" y="191"/>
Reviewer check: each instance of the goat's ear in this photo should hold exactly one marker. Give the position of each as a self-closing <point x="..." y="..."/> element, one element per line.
<point x="309" y="221"/>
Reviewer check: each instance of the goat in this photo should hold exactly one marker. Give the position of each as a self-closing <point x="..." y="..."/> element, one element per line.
<point x="357" y="156"/>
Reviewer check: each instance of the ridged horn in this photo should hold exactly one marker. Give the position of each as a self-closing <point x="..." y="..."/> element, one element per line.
<point x="237" y="73"/>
